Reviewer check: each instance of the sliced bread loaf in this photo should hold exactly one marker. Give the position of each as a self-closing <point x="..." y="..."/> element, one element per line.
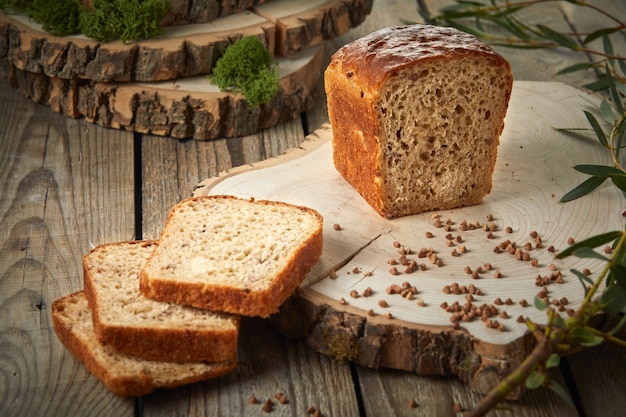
<point x="417" y="112"/>
<point x="128" y="321"/>
<point x="121" y="373"/>
<point x="235" y="255"/>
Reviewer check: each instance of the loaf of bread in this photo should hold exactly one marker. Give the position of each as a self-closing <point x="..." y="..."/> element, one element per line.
<point x="128" y="321"/>
<point x="233" y="255"/>
<point x="121" y="373"/>
<point x="416" y="113"/>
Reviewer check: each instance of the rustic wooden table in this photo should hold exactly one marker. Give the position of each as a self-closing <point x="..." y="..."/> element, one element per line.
<point x="68" y="185"/>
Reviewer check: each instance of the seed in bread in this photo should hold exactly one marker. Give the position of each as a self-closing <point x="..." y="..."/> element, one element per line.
<point x="130" y="322"/>
<point x="417" y="112"/>
<point x="233" y="255"/>
<point x="123" y="374"/>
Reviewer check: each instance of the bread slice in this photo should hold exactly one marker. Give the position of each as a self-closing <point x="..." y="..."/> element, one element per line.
<point x="417" y="112"/>
<point x="128" y="321"/>
<point x="121" y="373"/>
<point x="235" y="255"/>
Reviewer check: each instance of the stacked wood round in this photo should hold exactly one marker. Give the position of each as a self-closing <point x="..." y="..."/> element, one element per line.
<point x="159" y="86"/>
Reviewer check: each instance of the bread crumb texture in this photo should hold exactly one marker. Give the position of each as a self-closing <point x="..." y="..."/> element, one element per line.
<point x="417" y="112"/>
<point x="234" y="255"/>
<point x="113" y="272"/>
<point x="123" y="374"/>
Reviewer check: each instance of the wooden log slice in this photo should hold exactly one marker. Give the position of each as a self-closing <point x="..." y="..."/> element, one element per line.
<point x="181" y="51"/>
<point x="189" y="107"/>
<point x="184" y="12"/>
<point x="300" y="25"/>
<point x="348" y="306"/>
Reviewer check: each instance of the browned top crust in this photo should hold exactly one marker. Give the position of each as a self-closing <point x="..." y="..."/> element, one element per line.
<point x="373" y="58"/>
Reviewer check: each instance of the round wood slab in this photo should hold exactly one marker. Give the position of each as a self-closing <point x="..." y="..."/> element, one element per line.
<point x="285" y="27"/>
<point x="344" y="308"/>
<point x="187" y="107"/>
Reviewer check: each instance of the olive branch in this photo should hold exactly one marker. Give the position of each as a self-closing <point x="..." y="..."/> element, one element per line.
<point x="498" y="23"/>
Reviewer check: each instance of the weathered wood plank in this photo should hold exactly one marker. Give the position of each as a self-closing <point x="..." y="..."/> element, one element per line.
<point x="385" y="390"/>
<point x="65" y="186"/>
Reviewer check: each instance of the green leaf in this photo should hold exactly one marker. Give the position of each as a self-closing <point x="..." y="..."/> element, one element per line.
<point x="584" y="279"/>
<point x="562" y="392"/>
<point x="553" y="360"/>
<point x="596" y="128"/>
<point x="535" y="379"/>
<point x="599" y="170"/>
<point x="600" y="33"/>
<point x="583" y="189"/>
<point x="598" y="85"/>
<point x="607" y="112"/>
<point x="540" y="304"/>
<point x="617" y="100"/>
<point x="592" y="242"/>
<point x="618" y="273"/>
<point x="560" y="38"/>
<point x="587" y="252"/>
<point x="583" y="336"/>
<point x="583" y="66"/>
<point x="613" y="299"/>
<point x="620" y="182"/>
<point x="606" y="44"/>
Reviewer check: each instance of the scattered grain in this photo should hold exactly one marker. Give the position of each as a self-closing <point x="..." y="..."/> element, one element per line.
<point x="254" y="400"/>
<point x="394" y="271"/>
<point x="429" y="235"/>
<point x="337" y="226"/>
<point x="587" y="271"/>
<point x="368" y="292"/>
<point x="570" y="241"/>
<point x="383" y="303"/>
<point x="354" y="294"/>
<point x="412" y="404"/>
<point x="342" y="301"/>
<point x="508" y="229"/>
<point x="333" y="275"/>
<point x="268" y="406"/>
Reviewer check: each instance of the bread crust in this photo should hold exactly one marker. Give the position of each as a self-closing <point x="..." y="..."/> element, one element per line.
<point x="84" y="347"/>
<point x="354" y="80"/>
<point x="166" y="343"/>
<point x="245" y="302"/>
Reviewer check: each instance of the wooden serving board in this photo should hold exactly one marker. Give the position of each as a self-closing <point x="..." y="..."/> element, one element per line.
<point x="533" y="170"/>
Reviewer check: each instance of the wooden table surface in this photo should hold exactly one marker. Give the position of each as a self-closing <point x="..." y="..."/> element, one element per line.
<point x="68" y="185"/>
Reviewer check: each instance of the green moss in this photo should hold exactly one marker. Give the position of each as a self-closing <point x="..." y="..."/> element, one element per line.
<point x="107" y="20"/>
<point x="58" y="17"/>
<point x="123" y="19"/>
<point x="246" y="67"/>
<point x="342" y="347"/>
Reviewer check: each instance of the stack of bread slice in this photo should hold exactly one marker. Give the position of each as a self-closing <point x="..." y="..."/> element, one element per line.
<point x="160" y="314"/>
